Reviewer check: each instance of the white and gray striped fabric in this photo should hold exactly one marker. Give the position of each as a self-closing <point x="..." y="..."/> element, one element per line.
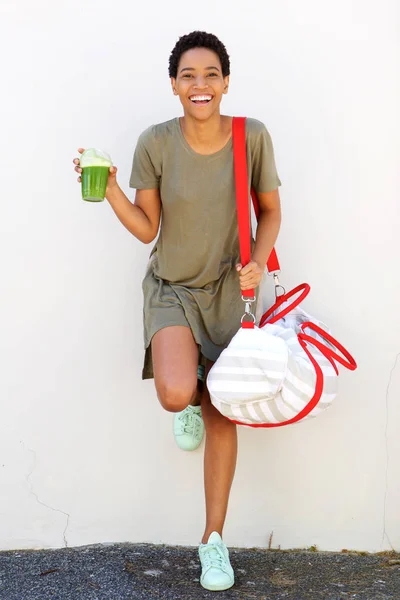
<point x="265" y="377"/>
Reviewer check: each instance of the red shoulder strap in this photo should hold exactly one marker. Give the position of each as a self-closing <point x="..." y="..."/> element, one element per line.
<point x="242" y="198"/>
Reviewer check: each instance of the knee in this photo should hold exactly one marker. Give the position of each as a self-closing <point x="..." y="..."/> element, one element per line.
<point x="175" y="398"/>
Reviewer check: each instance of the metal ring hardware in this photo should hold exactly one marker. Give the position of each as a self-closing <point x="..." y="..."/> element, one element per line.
<point x="247" y="299"/>
<point x="278" y="286"/>
<point x="248" y="315"/>
<point x="247" y="309"/>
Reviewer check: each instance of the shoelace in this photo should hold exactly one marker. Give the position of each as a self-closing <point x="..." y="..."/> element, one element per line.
<point x="190" y="423"/>
<point x="213" y="556"/>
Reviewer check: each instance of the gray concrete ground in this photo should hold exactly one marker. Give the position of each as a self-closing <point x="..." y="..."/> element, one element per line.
<point x="146" y="572"/>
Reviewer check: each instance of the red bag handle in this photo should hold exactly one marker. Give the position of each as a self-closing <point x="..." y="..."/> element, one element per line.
<point x="303" y="287"/>
<point x="242" y="199"/>
<point x="348" y="361"/>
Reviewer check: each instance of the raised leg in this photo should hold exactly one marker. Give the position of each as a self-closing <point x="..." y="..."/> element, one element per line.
<point x="175" y="357"/>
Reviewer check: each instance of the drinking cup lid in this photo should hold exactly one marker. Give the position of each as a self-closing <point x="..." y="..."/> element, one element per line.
<point x="93" y="157"/>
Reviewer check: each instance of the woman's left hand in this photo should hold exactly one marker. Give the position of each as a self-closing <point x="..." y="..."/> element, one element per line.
<point x="250" y="275"/>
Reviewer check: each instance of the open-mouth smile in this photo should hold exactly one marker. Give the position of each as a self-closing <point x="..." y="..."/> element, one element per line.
<point x="201" y="99"/>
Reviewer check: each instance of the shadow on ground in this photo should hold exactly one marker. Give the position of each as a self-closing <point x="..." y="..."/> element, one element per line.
<point x="147" y="572"/>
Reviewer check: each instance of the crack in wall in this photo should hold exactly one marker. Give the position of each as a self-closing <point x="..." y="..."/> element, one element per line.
<point x="384" y="532"/>
<point x="29" y="482"/>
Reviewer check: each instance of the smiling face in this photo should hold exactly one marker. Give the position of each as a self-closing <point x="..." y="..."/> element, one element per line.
<point x="199" y="82"/>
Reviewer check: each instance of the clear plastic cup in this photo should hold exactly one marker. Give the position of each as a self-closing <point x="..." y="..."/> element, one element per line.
<point x="95" y="165"/>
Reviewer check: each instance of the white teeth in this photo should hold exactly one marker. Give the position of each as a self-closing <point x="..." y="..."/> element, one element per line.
<point x="193" y="98"/>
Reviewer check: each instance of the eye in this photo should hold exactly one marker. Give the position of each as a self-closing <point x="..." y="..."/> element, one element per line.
<point x="215" y="74"/>
<point x="187" y="76"/>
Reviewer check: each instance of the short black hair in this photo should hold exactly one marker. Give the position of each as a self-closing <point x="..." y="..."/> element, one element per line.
<point x="198" y="39"/>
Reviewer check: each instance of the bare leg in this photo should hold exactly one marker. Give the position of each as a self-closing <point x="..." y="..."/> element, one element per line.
<point x="219" y="464"/>
<point x="175" y="357"/>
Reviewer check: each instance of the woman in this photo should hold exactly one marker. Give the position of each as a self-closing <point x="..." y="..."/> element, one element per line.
<point x="183" y="175"/>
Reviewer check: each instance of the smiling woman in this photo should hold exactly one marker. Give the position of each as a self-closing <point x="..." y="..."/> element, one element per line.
<point x="183" y="170"/>
<point x="200" y="77"/>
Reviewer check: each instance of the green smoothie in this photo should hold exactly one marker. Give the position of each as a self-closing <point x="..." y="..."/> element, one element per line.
<point x="95" y="165"/>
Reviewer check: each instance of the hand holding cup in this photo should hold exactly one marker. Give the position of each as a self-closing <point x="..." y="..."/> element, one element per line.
<point x="96" y="173"/>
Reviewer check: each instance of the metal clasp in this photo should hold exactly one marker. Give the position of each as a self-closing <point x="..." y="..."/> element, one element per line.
<point x="247" y="308"/>
<point x="278" y="286"/>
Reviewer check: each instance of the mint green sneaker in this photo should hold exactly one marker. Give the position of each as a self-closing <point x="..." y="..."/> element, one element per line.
<point x="189" y="428"/>
<point x="216" y="571"/>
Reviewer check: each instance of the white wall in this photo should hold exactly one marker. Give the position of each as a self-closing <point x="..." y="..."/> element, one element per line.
<point x="86" y="453"/>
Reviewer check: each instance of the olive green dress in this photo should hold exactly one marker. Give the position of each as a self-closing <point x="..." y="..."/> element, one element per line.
<point x="191" y="278"/>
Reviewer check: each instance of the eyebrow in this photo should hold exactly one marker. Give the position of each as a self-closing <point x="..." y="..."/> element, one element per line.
<point x="191" y="69"/>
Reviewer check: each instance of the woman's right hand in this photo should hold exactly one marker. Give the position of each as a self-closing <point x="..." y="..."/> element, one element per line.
<point x="112" y="175"/>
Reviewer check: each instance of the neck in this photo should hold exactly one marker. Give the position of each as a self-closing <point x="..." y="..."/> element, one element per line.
<point x="202" y="132"/>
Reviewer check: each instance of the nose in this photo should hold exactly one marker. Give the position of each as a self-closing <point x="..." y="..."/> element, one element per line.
<point x="200" y="82"/>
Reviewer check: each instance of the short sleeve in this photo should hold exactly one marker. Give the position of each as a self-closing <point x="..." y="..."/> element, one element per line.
<point x="145" y="172"/>
<point x="264" y="176"/>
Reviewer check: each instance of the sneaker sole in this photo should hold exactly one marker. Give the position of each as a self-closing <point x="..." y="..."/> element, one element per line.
<point x="216" y="588"/>
<point x="187" y="449"/>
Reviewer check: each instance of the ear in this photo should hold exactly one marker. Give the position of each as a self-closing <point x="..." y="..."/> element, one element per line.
<point x="226" y="84"/>
<point x="173" y="85"/>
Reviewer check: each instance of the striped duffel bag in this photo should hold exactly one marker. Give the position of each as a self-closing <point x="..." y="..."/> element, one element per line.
<point x="281" y="372"/>
<point x="284" y="370"/>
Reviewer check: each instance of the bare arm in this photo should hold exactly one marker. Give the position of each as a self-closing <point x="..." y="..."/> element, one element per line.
<point x="268" y="226"/>
<point x="141" y="219"/>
